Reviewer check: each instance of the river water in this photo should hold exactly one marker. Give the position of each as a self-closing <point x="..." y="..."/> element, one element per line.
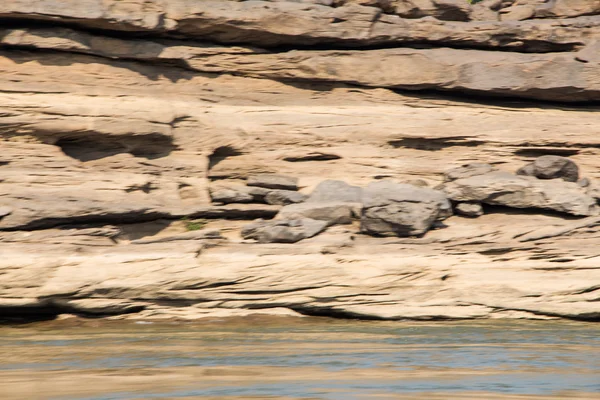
<point x="300" y="358"/>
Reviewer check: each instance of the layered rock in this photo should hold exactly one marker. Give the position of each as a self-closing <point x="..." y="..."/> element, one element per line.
<point x="123" y="125"/>
<point x="494" y="187"/>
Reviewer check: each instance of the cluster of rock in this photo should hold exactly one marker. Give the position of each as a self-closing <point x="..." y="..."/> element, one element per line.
<point x="388" y="208"/>
<point x="265" y="188"/>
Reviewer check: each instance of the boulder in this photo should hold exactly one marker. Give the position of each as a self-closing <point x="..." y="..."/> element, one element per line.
<point x="334" y="213"/>
<point x="332" y="190"/>
<point x="273" y="181"/>
<point x="284" y="197"/>
<point x="395" y="209"/>
<point x="283" y="231"/>
<point x="471" y="209"/>
<point x="506" y="189"/>
<point x="551" y="167"/>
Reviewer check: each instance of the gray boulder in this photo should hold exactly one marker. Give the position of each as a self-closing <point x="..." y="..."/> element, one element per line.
<point x="551" y="167"/>
<point x="506" y="189"/>
<point x="470" y="209"/>
<point x="283" y="231"/>
<point x="332" y="190"/>
<point x="396" y="209"/>
<point x="284" y="197"/>
<point x="273" y="181"/>
<point x="332" y="212"/>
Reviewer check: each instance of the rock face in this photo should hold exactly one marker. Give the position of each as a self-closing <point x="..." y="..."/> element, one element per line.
<point x="400" y="209"/>
<point x="551" y="167"/>
<point x="289" y="231"/>
<point x="122" y="121"/>
<point x="505" y="189"/>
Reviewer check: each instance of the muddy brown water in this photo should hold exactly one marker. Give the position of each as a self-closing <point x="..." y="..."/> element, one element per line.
<point x="300" y="358"/>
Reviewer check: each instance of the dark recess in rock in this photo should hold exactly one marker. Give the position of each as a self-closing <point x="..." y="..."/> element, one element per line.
<point x="315" y="156"/>
<point x="220" y="154"/>
<point x="435" y="144"/>
<point x="95" y="146"/>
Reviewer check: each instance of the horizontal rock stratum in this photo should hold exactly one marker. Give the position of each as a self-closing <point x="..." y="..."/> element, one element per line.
<point x="124" y="127"/>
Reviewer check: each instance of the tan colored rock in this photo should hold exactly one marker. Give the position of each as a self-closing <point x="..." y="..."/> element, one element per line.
<point x="108" y="140"/>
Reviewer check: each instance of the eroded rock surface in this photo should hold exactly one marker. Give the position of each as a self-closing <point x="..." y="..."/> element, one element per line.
<point x="122" y="122"/>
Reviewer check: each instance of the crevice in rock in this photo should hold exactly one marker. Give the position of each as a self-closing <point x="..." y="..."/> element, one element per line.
<point x="586" y="317"/>
<point x="91" y="220"/>
<point x="435" y="144"/>
<point x="497" y="209"/>
<point x="94" y="146"/>
<point x="28" y="314"/>
<point x="220" y="154"/>
<point x="535" y="152"/>
<point x="312" y="311"/>
<point x="142" y="216"/>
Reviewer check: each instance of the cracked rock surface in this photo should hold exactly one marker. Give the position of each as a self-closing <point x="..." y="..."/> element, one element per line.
<point x="119" y="121"/>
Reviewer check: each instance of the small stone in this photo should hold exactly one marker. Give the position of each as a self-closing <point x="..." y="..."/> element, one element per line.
<point x="469" y="209"/>
<point x="283" y="231"/>
<point x="585" y="182"/>
<point x="273" y="181"/>
<point x="551" y="167"/>
<point x="284" y="197"/>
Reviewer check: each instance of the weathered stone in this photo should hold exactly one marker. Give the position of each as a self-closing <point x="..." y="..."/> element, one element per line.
<point x="584" y="182"/>
<point x="503" y="188"/>
<point x="551" y="167"/>
<point x="337" y="191"/>
<point x="401" y="210"/>
<point x="273" y="181"/>
<point x="283" y="231"/>
<point x="469" y="209"/>
<point x="332" y="212"/>
<point x="284" y="197"/>
<point x="230" y="195"/>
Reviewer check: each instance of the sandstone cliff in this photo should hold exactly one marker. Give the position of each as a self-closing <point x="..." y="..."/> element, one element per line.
<point x="118" y="117"/>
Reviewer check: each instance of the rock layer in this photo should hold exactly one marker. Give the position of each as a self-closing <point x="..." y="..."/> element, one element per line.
<point x="119" y="120"/>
